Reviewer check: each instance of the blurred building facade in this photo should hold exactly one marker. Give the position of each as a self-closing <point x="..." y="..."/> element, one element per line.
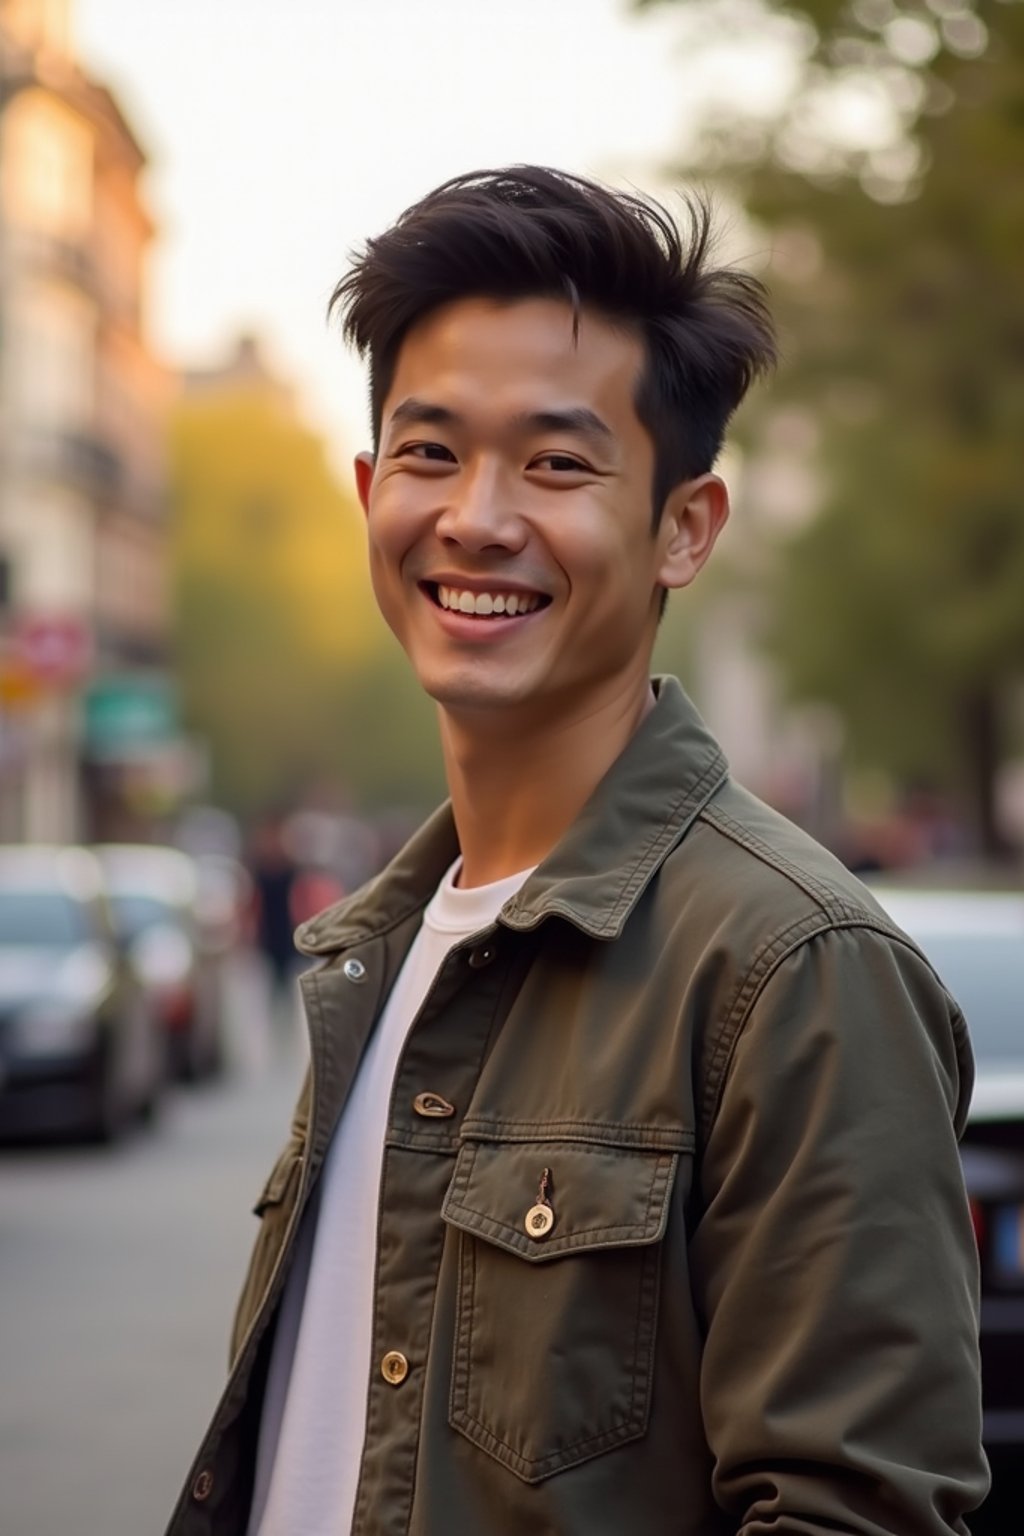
<point x="786" y="753"/>
<point x="86" y="707"/>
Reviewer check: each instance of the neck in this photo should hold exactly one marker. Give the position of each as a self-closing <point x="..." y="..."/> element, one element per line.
<point x="516" y="790"/>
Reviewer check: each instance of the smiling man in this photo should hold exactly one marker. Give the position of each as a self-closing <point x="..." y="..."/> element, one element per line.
<point x="623" y="1194"/>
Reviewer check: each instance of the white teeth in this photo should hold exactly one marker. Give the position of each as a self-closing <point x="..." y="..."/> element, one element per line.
<point x="486" y="603"/>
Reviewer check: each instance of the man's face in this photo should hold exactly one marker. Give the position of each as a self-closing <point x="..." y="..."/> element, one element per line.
<point x="509" y="510"/>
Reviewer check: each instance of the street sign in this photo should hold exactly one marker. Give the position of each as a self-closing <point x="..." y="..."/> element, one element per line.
<point x="53" y="649"/>
<point x="129" y="711"/>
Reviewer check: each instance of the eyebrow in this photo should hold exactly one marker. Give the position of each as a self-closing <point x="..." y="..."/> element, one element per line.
<point x="422" y="413"/>
<point x="575" y="421"/>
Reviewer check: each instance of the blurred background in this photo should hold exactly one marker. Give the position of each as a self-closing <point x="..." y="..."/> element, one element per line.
<point x="206" y="733"/>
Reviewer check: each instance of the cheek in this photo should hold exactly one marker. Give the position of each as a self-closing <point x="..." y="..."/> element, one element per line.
<point x="609" y="555"/>
<point x="386" y="550"/>
<point x="386" y="584"/>
<point x="390" y="527"/>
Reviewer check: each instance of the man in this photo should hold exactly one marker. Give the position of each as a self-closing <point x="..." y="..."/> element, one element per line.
<point x="623" y="1195"/>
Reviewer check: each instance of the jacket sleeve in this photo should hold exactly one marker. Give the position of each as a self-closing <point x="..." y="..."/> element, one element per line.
<point x="833" y="1261"/>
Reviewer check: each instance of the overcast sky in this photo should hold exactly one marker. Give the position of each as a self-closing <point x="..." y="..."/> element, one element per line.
<point x="282" y="132"/>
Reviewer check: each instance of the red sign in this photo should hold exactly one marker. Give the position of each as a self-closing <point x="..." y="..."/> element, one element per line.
<point x="54" y="650"/>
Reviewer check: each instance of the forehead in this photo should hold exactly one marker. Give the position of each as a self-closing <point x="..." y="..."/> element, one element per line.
<point x="483" y="353"/>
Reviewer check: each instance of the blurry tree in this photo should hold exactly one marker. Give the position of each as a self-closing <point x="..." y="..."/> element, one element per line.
<point x="890" y="177"/>
<point x="285" y="668"/>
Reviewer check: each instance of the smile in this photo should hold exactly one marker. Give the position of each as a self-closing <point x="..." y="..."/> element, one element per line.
<point x="485" y="605"/>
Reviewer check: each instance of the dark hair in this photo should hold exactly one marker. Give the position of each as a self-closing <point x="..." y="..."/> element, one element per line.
<point x="530" y="232"/>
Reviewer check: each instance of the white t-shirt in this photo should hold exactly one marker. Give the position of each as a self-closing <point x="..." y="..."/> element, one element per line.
<point x="313" y="1418"/>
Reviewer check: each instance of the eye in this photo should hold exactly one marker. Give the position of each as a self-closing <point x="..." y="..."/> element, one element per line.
<point x="433" y="453"/>
<point x="560" y="463"/>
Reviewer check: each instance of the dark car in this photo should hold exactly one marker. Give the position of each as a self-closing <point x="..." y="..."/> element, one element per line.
<point x="80" y="1050"/>
<point x="154" y="894"/>
<point x="975" y="940"/>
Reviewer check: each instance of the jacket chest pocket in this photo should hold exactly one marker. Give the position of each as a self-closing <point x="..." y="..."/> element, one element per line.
<point x="556" y="1312"/>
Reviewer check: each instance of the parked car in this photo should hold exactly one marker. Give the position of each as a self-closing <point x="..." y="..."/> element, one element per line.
<point x="80" y="1049"/>
<point x="153" y="893"/>
<point x="975" y="940"/>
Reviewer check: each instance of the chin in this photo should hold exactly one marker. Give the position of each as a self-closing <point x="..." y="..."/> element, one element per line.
<point x="471" y="691"/>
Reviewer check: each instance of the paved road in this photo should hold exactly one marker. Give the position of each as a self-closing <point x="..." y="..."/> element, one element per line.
<point x="118" y="1273"/>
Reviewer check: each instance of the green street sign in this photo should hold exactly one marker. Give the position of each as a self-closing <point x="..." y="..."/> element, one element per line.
<point x="129" y="712"/>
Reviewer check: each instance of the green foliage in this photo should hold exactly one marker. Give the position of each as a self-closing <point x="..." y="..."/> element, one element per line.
<point x="392" y="749"/>
<point x="286" y="670"/>
<point x="897" y="278"/>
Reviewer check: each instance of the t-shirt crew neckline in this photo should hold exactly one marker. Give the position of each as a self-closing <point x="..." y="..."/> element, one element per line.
<point x="459" y="910"/>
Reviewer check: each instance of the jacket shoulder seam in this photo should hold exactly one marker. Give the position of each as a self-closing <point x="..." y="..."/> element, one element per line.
<point x="778" y="947"/>
<point x="831" y="901"/>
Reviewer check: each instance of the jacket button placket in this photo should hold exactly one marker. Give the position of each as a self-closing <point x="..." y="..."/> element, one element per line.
<point x="414" y="1184"/>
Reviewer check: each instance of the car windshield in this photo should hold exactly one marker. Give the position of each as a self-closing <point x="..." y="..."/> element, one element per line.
<point x="985" y="973"/>
<point x="48" y="918"/>
<point x="134" y="913"/>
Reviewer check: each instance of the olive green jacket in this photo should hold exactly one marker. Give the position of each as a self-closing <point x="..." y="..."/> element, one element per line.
<point x="754" y="1308"/>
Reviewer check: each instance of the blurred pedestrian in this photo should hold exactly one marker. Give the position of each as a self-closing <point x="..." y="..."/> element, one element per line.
<point x="274" y="871"/>
<point x="624" y="1193"/>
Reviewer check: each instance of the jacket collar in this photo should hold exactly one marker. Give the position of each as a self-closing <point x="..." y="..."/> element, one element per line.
<point x="594" y="877"/>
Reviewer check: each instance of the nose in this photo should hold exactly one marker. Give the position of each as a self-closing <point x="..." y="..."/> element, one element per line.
<point x="479" y="512"/>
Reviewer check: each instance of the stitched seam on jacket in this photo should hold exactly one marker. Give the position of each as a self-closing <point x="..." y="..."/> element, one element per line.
<point x="555" y="1459"/>
<point x="374" y="1408"/>
<point x="660" y="1179"/>
<point x="528" y="1126"/>
<point x="346" y="938"/>
<point x="772" y="952"/>
<point x="765" y="963"/>
<point x="569" y="1240"/>
<point x="652" y="853"/>
<point x="640" y="1372"/>
<point x="836" y="906"/>
<point x="635" y="878"/>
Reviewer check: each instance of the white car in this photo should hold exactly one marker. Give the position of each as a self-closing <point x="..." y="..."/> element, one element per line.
<point x="975" y="940"/>
<point x="153" y="894"/>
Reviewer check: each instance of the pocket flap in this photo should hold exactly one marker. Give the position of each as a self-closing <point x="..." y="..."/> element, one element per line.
<point x="600" y="1196"/>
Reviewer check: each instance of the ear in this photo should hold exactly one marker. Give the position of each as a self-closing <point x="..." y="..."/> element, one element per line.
<point x="364" y="466"/>
<point x="694" y="515"/>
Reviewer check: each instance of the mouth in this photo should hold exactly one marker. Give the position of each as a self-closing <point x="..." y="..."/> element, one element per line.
<point x="488" y="605"/>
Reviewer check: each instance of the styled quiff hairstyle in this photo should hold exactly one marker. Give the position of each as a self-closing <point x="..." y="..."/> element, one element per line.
<point x="530" y="232"/>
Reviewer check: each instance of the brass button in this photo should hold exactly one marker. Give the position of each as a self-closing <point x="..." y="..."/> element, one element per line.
<point x="433" y="1106"/>
<point x="539" y="1221"/>
<point x="482" y="955"/>
<point x="203" y="1485"/>
<point x="354" y="970"/>
<point x="394" y="1367"/>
